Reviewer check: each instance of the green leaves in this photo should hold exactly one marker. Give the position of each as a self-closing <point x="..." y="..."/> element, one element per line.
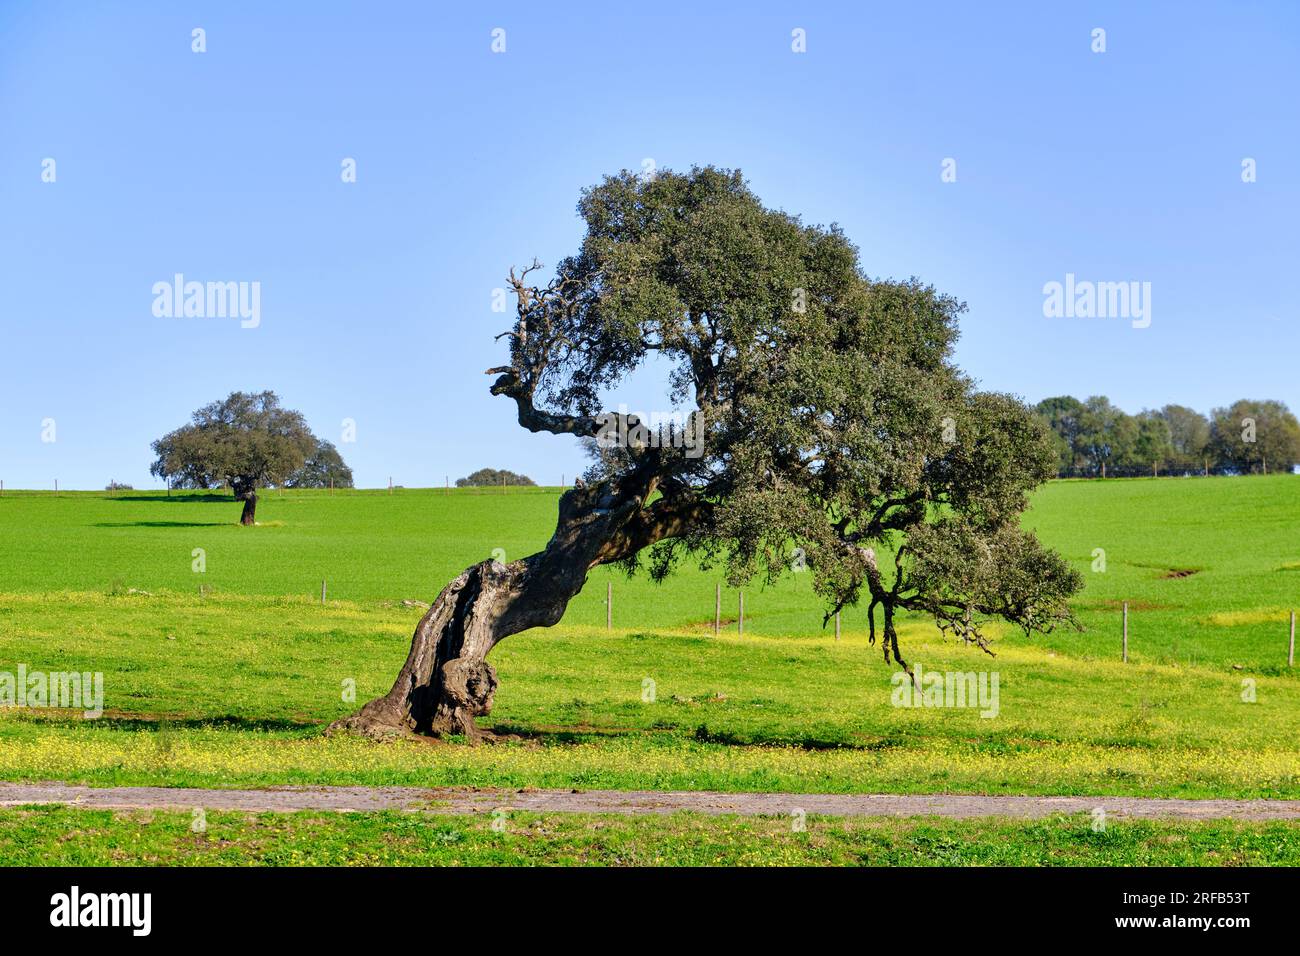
<point x="245" y="440"/>
<point x="836" y="421"/>
<point x="955" y="569"/>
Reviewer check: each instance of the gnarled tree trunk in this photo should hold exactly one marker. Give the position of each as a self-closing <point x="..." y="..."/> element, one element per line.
<point x="249" y="515"/>
<point x="245" y="490"/>
<point x="447" y="681"/>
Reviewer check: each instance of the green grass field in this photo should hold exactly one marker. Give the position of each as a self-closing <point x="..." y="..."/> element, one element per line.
<point x="233" y="686"/>
<point x="1241" y="537"/>
<point x="37" y="837"/>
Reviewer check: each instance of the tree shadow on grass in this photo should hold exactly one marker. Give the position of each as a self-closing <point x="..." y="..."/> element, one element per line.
<point x="164" y="524"/>
<point x="177" y="498"/>
<point x="800" y="741"/>
<point x="118" y="720"/>
<point x="581" y="733"/>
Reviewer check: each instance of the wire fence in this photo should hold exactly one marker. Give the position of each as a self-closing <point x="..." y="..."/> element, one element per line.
<point x="1169" y="470"/>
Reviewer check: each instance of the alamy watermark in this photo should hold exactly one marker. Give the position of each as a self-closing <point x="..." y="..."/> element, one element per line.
<point x="947" y="689"/>
<point x="75" y="908"/>
<point x="1073" y="299"/>
<point x="76" y="690"/>
<point x="656" y="430"/>
<point x="180" y="299"/>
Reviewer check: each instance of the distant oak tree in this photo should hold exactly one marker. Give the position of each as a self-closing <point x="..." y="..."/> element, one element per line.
<point x="1255" y="435"/>
<point x="245" y="441"/>
<point x="1064" y="417"/>
<point x="1189" y="434"/>
<point x="1106" y="434"/>
<point x="493" y="477"/>
<point x="1152" y="441"/>
<point x="833" y="420"/>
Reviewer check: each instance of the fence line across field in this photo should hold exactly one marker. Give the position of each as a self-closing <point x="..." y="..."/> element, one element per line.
<point x="392" y="487"/>
<point x="740" y="619"/>
<point x="740" y="594"/>
<point x="1167" y="470"/>
<point x="1290" y="647"/>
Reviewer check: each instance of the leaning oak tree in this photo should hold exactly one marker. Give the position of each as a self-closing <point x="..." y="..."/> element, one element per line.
<point x="244" y="441"/>
<point x="825" y="416"/>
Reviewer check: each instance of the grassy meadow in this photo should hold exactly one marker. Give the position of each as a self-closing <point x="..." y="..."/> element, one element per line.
<point x="1239" y="538"/>
<point x="37" y="837"/>
<point x="227" y="677"/>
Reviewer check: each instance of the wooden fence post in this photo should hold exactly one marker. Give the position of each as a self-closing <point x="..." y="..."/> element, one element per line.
<point x="1126" y="632"/>
<point x="322" y="590"/>
<point x="837" y="625"/>
<point x="1290" y="652"/>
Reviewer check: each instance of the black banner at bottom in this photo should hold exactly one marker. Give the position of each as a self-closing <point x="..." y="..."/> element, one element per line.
<point x="364" y="905"/>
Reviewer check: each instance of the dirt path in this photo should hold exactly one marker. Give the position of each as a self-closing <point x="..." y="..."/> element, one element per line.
<point x="636" y="802"/>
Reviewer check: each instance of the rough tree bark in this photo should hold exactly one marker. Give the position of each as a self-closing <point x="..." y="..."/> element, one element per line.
<point x="246" y="491"/>
<point x="249" y="514"/>
<point x="447" y="681"/>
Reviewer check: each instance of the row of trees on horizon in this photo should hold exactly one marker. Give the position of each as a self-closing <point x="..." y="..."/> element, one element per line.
<point x="1095" y="438"/>
<point x="249" y="441"/>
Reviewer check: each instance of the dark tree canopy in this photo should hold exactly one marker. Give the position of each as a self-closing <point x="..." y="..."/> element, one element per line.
<point x="245" y="441"/>
<point x="1064" y="417"/>
<point x="1255" y="435"/>
<point x="488" y="477"/>
<point x="324" y="468"/>
<point x="830" y="415"/>
<point x="1189" y="434"/>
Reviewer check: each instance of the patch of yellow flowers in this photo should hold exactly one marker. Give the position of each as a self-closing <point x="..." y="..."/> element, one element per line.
<point x="214" y="758"/>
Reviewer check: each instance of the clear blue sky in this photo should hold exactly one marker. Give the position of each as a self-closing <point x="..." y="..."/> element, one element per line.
<point x="376" y="296"/>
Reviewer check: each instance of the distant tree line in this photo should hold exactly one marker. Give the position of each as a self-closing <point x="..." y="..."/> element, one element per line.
<point x="494" y="477"/>
<point x="1094" y="438"/>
